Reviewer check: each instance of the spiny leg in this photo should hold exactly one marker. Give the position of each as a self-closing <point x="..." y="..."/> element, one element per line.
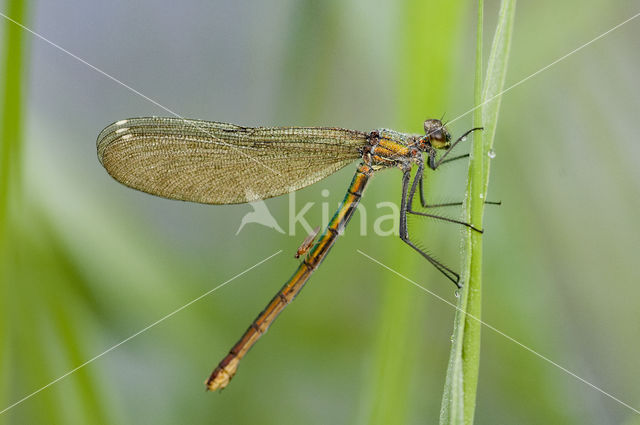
<point x="458" y="204"/>
<point x="424" y="203"/>
<point x="404" y="233"/>
<point x="433" y="165"/>
<point x="422" y="198"/>
<point x="418" y="181"/>
<point x="455" y="158"/>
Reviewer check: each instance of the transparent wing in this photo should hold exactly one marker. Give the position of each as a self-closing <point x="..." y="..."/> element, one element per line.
<point x="218" y="163"/>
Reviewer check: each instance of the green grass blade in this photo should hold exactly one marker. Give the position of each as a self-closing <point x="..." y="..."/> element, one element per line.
<point x="454" y="405"/>
<point x="494" y="82"/>
<point x="10" y="162"/>
<point x="11" y="124"/>
<point x="459" y="398"/>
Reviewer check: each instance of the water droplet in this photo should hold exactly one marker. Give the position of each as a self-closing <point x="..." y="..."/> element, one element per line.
<point x="457" y="293"/>
<point x="491" y="154"/>
<point x="481" y="195"/>
<point x="463" y="139"/>
<point x="451" y="338"/>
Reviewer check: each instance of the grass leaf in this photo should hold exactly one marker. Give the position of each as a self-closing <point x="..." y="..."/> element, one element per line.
<point x="10" y="161"/>
<point x="459" y="398"/>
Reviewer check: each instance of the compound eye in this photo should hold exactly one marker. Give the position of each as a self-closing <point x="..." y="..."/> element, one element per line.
<point x="437" y="134"/>
<point x="431" y="127"/>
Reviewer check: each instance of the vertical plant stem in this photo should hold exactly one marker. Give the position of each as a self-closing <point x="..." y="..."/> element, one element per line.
<point x="459" y="398"/>
<point x="475" y="208"/>
<point x="10" y="162"/>
<point x="494" y="81"/>
<point x="458" y="401"/>
<point x="11" y="124"/>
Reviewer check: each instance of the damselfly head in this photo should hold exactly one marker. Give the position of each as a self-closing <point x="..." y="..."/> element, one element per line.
<point x="436" y="134"/>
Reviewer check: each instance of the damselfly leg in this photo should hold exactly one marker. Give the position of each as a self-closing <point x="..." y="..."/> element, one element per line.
<point x="409" y="202"/>
<point x="425" y="204"/>
<point x="404" y="233"/>
<point x="406" y="206"/>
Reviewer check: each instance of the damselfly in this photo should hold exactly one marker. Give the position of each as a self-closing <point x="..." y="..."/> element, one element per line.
<point x="217" y="163"/>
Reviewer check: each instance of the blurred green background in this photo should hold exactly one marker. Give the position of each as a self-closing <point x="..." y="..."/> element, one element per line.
<point x="87" y="262"/>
